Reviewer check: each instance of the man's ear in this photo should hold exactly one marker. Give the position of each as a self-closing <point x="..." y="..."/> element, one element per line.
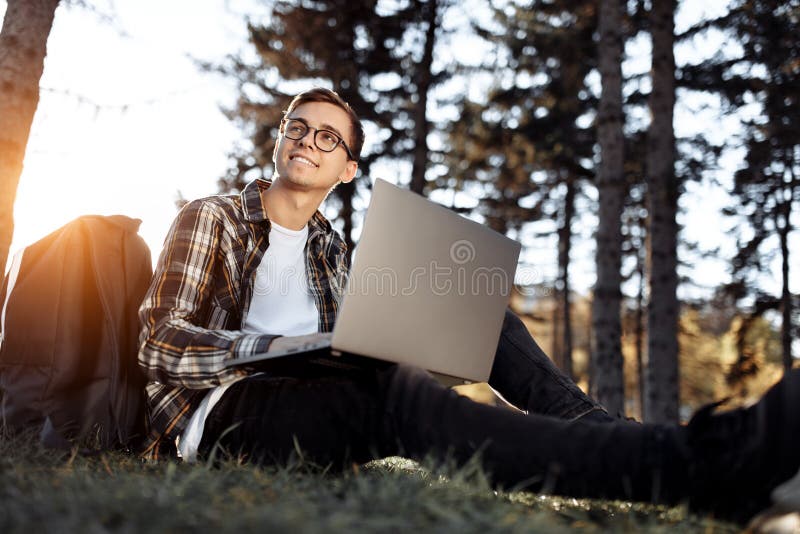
<point x="350" y="169"/>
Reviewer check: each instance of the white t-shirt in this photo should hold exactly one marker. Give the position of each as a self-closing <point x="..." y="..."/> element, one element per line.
<point x="281" y="304"/>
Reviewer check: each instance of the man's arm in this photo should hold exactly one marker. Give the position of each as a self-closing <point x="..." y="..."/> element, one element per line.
<point x="177" y="346"/>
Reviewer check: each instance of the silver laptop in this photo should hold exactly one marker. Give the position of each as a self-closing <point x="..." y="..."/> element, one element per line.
<point x="427" y="287"/>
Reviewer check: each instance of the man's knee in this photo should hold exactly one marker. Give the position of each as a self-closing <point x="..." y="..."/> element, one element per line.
<point x="515" y="337"/>
<point x="513" y="325"/>
<point x="510" y="319"/>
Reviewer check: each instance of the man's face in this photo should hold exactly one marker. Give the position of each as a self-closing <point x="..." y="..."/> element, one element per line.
<point x="300" y="163"/>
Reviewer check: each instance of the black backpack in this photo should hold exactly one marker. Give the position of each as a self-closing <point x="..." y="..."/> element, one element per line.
<point x="68" y="364"/>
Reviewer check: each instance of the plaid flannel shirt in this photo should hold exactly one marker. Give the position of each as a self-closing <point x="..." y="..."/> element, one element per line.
<point x="199" y="297"/>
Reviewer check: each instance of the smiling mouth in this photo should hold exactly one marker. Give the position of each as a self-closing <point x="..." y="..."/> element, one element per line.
<point x="304" y="161"/>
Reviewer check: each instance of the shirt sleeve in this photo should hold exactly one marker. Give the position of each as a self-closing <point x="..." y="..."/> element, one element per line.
<point x="174" y="347"/>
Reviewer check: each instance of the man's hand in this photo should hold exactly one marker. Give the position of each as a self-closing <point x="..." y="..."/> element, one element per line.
<point x="298" y="343"/>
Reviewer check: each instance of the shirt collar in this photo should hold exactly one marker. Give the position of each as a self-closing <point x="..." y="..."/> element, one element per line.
<point x="254" y="211"/>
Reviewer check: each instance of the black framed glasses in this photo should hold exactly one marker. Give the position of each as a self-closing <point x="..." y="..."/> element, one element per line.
<point x="325" y="140"/>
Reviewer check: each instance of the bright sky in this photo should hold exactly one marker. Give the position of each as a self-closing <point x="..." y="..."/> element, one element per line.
<point x="157" y="127"/>
<point x="126" y="120"/>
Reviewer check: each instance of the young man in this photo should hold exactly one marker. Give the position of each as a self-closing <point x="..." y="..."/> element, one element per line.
<point x="240" y="274"/>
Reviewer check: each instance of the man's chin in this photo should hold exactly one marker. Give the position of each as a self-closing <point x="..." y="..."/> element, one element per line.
<point x="305" y="183"/>
<point x="297" y="181"/>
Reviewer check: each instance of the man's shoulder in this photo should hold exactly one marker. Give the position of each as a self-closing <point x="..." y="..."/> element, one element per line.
<point x="225" y="206"/>
<point x="221" y="200"/>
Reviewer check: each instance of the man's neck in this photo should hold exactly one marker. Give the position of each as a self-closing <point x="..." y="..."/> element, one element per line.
<point x="289" y="207"/>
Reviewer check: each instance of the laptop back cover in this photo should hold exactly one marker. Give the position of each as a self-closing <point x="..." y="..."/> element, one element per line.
<point x="427" y="287"/>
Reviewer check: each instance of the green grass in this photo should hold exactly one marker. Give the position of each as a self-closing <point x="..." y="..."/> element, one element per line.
<point x="43" y="491"/>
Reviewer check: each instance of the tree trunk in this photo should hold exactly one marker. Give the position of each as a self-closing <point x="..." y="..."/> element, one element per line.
<point x="557" y="339"/>
<point x="608" y="381"/>
<point x="640" y="378"/>
<point x="423" y="83"/>
<point x="784" y="227"/>
<point x="661" y="393"/>
<point x="564" y="319"/>
<point x="346" y="192"/>
<point x="345" y="84"/>
<point x="786" y="305"/>
<point x="23" y="46"/>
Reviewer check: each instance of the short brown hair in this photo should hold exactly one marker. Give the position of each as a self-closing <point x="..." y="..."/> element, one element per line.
<point x="321" y="94"/>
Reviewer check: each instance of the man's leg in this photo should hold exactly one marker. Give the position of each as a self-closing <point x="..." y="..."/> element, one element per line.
<point x="723" y="462"/>
<point x="524" y="375"/>
<point x="402" y="410"/>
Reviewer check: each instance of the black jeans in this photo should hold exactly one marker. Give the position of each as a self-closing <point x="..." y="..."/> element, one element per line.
<point x="524" y="375"/>
<point x="335" y="419"/>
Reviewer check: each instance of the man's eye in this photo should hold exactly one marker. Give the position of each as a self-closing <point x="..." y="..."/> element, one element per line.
<point x="329" y="138"/>
<point x="295" y="129"/>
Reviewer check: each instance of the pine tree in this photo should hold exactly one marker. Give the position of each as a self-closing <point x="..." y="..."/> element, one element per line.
<point x="766" y="189"/>
<point x="527" y="150"/>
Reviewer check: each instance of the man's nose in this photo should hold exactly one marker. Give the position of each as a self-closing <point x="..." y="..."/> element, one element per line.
<point x="308" y="138"/>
